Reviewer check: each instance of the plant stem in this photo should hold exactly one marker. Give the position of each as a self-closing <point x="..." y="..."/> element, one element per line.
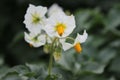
<point x="51" y="57"/>
<point x="50" y="64"/>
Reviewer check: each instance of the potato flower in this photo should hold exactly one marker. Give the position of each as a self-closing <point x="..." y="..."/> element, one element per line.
<point x="34" y="18"/>
<point x="35" y="40"/>
<point x="60" y="25"/>
<point x="77" y="42"/>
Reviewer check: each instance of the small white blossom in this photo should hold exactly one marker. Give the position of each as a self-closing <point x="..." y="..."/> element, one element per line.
<point x="34" y="18"/>
<point x="79" y="39"/>
<point x="35" y="40"/>
<point x="60" y="25"/>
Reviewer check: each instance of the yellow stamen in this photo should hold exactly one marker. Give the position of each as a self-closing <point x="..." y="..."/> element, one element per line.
<point x="78" y="47"/>
<point x="60" y="28"/>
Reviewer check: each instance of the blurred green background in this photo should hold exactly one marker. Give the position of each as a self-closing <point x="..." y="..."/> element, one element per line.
<point x="99" y="60"/>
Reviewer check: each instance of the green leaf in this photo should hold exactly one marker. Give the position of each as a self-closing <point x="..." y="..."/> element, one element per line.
<point x="1" y="60"/>
<point x="20" y="69"/>
<point x="106" y="55"/>
<point x="93" y="67"/>
<point x="113" y="21"/>
<point x="115" y="66"/>
<point x="3" y="71"/>
<point x="38" y="69"/>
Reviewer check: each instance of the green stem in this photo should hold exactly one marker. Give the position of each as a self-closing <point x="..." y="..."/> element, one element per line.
<point x="71" y="38"/>
<point x="51" y="57"/>
<point x="50" y="64"/>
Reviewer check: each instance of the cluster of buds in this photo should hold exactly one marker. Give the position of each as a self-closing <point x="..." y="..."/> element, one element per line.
<point x="51" y="28"/>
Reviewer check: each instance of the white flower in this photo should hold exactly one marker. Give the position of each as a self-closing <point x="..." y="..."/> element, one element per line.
<point x="79" y="39"/>
<point x="60" y="25"/>
<point x="54" y="8"/>
<point x="35" y="40"/>
<point x="34" y="18"/>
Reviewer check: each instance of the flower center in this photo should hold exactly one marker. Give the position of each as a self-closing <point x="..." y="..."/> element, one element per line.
<point x="35" y="38"/>
<point x="35" y="18"/>
<point x="60" y="28"/>
<point x="78" y="47"/>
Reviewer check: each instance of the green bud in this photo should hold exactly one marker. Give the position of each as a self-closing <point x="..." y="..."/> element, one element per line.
<point x="46" y="48"/>
<point x="57" y="55"/>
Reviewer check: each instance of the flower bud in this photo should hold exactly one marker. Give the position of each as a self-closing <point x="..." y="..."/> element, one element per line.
<point x="57" y="55"/>
<point x="46" y="48"/>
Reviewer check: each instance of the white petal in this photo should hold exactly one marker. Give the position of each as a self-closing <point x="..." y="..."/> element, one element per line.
<point x="41" y="10"/>
<point x="81" y="38"/>
<point x="50" y="30"/>
<point x="35" y="44"/>
<point x="27" y="37"/>
<point x="54" y="8"/>
<point x="31" y="8"/>
<point x="49" y="40"/>
<point x="65" y="45"/>
<point x="34" y="28"/>
<point x="37" y="9"/>
<point x="70" y="25"/>
<point x="42" y="39"/>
